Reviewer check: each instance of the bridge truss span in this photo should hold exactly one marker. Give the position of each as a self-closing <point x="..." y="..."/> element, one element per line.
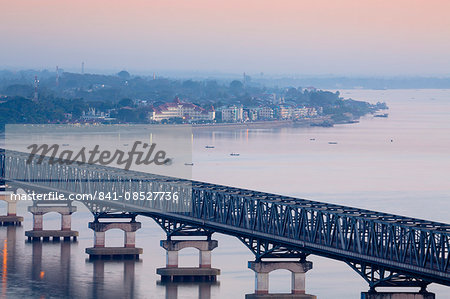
<point x="349" y="234"/>
<point x="386" y="249"/>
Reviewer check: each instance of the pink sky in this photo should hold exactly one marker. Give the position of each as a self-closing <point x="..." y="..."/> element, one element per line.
<point x="302" y="37"/>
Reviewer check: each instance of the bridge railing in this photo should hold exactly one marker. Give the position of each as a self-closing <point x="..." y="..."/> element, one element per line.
<point x="394" y="239"/>
<point x="107" y="186"/>
<point x="345" y="233"/>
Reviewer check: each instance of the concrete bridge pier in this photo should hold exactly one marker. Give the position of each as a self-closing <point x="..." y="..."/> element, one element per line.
<point x="204" y="272"/>
<point x="39" y="210"/>
<point x="10" y="218"/>
<point x="129" y="249"/>
<point x="262" y="270"/>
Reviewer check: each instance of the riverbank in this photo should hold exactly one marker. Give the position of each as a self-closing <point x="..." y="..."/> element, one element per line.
<point x="322" y="121"/>
<point x="261" y="124"/>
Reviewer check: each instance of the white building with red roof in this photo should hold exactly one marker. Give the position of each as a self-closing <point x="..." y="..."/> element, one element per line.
<point x="177" y="109"/>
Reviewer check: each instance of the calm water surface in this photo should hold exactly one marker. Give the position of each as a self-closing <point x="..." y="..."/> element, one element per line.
<point x="408" y="176"/>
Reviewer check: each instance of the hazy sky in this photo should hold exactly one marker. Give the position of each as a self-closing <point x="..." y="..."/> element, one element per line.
<point x="352" y="37"/>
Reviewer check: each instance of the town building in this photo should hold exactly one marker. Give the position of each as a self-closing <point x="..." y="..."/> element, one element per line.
<point x="265" y="113"/>
<point x="284" y="112"/>
<point x="259" y="113"/>
<point x="93" y="115"/>
<point x="252" y="114"/>
<point x="232" y="114"/>
<point x="289" y="112"/>
<point x="177" y="109"/>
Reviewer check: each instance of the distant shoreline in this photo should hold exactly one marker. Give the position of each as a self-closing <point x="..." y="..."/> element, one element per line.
<point x="261" y="124"/>
<point x="323" y="121"/>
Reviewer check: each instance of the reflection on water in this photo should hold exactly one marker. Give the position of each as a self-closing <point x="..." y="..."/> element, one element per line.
<point x="54" y="273"/>
<point x="11" y="240"/>
<point x="50" y="273"/>
<point x="204" y="288"/>
<point x="49" y="269"/>
<point x="124" y="290"/>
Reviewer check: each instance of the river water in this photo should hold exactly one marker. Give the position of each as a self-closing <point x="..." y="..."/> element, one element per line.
<point x="399" y="164"/>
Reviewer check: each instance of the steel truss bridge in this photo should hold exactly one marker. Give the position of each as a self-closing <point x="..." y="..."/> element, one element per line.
<point x="385" y="249"/>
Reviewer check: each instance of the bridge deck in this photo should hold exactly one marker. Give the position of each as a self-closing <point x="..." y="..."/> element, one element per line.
<point x="417" y="247"/>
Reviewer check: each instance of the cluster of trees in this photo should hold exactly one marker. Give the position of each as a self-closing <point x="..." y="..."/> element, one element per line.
<point x="17" y="109"/>
<point x="96" y="87"/>
<point x="332" y="103"/>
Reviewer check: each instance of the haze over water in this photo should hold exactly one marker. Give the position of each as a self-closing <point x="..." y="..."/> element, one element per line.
<point x="405" y="176"/>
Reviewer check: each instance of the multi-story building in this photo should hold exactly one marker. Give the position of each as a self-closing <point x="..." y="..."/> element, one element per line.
<point x="312" y="112"/>
<point x="93" y="115"/>
<point x="245" y="116"/>
<point x="259" y="113"/>
<point x="265" y="113"/>
<point x="289" y="112"/>
<point x="232" y="114"/>
<point x="177" y="109"/>
<point x="299" y="112"/>
<point x="252" y="114"/>
<point x="284" y="112"/>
